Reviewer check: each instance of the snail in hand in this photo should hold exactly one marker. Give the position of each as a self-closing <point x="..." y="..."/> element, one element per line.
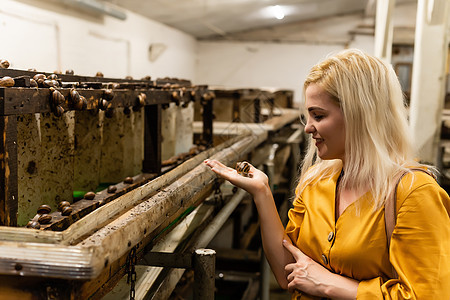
<point x="243" y="168"/>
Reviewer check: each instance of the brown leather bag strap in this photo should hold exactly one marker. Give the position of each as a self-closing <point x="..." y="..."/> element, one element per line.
<point x="390" y="210"/>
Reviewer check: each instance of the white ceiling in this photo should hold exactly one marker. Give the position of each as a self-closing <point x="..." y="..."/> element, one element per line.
<point x="240" y="19"/>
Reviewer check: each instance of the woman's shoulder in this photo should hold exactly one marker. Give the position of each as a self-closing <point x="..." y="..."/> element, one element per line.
<point x="418" y="185"/>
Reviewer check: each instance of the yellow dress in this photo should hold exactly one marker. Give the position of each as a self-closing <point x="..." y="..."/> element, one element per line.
<point x="355" y="245"/>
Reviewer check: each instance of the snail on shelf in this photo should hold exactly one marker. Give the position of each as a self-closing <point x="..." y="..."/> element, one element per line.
<point x="4" y="64"/>
<point x="7" y="81"/>
<point x="243" y="168"/>
<point x="89" y="196"/>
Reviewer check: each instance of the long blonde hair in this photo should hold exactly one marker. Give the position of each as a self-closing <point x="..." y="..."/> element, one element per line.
<point x="378" y="146"/>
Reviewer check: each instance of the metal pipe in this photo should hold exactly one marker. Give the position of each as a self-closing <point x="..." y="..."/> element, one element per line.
<point x="215" y="225"/>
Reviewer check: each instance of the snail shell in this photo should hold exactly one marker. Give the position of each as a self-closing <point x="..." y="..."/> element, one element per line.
<point x="69" y="72"/>
<point x="79" y="105"/>
<point x="45" y="219"/>
<point x="176" y="97"/>
<point x="128" y="180"/>
<point x="57" y="97"/>
<point x="108" y="94"/>
<point x="7" y="81"/>
<point x="99" y="74"/>
<point x="129" y="78"/>
<point x="141" y="99"/>
<point x="39" y="76"/>
<point x="59" y="110"/>
<point x="102" y="104"/>
<point x="40" y="79"/>
<point x="74" y="96"/>
<point x="63" y="204"/>
<point x="112" y="189"/>
<point x="34" y="225"/>
<point x="33" y="83"/>
<point x="83" y="103"/>
<point x="89" y="195"/>
<point x="67" y="210"/>
<point x="243" y="168"/>
<point x="4" y="64"/>
<point x="44" y="209"/>
<point x="52" y="77"/>
<point x="49" y="83"/>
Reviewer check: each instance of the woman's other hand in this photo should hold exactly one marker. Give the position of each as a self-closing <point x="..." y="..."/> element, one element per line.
<point x="305" y="274"/>
<point x="310" y="277"/>
<point x="255" y="183"/>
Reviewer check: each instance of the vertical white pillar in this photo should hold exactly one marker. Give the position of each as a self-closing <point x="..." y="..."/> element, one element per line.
<point x="428" y="77"/>
<point x="384" y="29"/>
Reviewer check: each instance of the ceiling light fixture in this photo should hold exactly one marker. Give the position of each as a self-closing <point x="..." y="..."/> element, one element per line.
<point x="277" y="12"/>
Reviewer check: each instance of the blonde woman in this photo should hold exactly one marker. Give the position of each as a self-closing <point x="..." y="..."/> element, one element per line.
<point x="335" y="245"/>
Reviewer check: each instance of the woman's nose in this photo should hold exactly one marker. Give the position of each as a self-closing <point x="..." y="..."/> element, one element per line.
<point x="309" y="128"/>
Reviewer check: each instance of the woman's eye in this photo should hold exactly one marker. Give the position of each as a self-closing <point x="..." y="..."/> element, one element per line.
<point x="318" y="117"/>
<point x="303" y="119"/>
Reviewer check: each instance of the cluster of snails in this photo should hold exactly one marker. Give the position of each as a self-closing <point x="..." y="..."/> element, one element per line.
<point x="56" y="99"/>
<point x="65" y="208"/>
<point x="42" y="217"/>
<point x="105" y="104"/>
<point x="7" y="81"/>
<point x="77" y="101"/>
<point x="43" y="214"/>
<point x="40" y="80"/>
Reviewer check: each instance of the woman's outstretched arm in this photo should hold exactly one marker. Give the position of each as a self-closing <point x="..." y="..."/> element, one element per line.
<point x="272" y="230"/>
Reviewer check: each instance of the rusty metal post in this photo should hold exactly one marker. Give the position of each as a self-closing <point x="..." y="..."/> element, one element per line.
<point x="207" y="115"/>
<point x="204" y="274"/>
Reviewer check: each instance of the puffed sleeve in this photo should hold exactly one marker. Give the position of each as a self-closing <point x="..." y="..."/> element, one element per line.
<point x="420" y="245"/>
<point x="295" y="216"/>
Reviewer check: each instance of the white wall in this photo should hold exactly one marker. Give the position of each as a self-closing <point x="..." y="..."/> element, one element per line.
<point x="244" y="65"/>
<point x="49" y="36"/>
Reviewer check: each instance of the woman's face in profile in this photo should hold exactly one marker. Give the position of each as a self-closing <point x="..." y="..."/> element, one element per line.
<point x="325" y="122"/>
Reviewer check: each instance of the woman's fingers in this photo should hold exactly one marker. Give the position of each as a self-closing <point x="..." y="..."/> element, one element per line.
<point x="296" y="253"/>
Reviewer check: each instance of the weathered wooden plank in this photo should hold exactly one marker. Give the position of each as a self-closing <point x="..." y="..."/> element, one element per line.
<point x="49" y="260"/>
<point x="112" y="150"/>
<point x="28" y="159"/>
<point x="56" y="161"/>
<point x="8" y="170"/>
<point x="87" y="149"/>
<point x="124" y="199"/>
<point x="83" y="207"/>
<point x="184" y="135"/>
<point x="20" y="100"/>
<point x="168" y="131"/>
<point x="137" y="129"/>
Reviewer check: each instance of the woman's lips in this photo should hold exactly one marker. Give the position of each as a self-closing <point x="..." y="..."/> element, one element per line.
<point x="318" y="142"/>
